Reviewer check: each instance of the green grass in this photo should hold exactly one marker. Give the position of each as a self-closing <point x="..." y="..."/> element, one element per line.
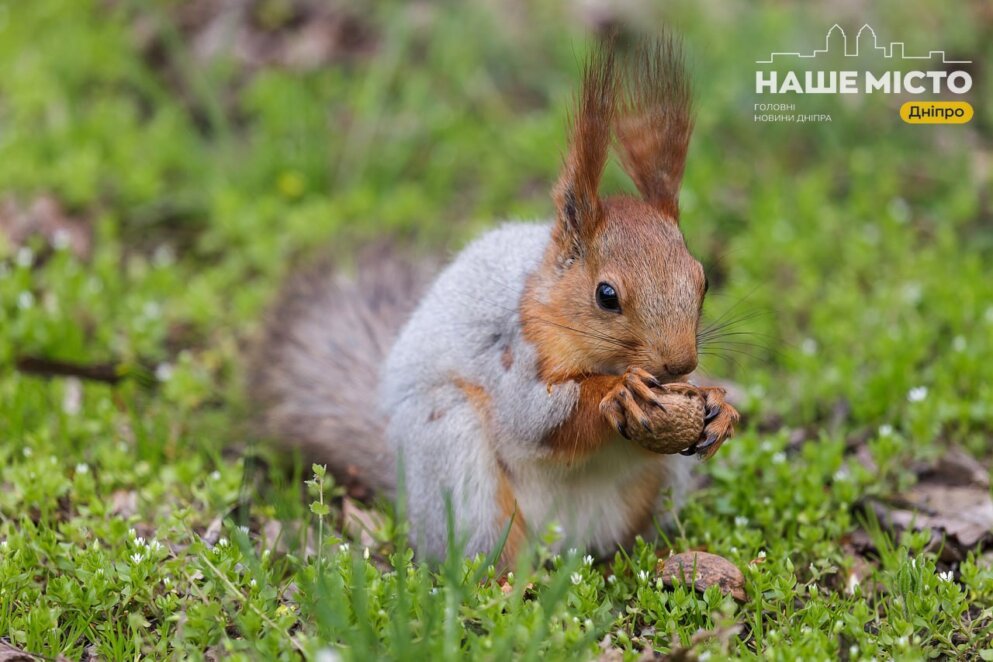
<point x="863" y="245"/>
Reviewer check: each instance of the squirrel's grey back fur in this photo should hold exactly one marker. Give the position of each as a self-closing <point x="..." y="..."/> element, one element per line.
<point x="314" y="373"/>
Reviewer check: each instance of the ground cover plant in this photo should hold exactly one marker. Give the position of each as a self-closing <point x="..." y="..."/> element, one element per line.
<point x="163" y="165"/>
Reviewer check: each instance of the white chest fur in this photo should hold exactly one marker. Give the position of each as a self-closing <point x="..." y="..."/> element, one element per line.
<point x="598" y="503"/>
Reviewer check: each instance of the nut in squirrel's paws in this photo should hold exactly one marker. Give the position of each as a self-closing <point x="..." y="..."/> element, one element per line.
<point x="669" y="418"/>
<point x="678" y="427"/>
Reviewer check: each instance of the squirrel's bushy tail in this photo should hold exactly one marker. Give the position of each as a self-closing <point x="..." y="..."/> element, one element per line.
<point x="314" y="373"/>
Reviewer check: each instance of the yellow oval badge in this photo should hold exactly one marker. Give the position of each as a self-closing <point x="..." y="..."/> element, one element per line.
<point x="936" y="112"/>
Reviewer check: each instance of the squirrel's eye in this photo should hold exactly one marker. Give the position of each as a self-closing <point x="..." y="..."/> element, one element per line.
<point x="606" y="298"/>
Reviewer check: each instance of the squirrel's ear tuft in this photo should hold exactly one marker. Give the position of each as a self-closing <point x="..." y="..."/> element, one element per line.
<point x="654" y="122"/>
<point x="577" y="192"/>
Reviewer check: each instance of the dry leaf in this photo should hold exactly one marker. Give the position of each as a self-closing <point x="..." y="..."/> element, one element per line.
<point x="45" y="217"/>
<point x="124" y="503"/>
<point x="361" y="524"/>
<point x="952" y="499"/>
<point x="703" y="570"/>
<point x="10" y="653"/>
<point x="213" y="531"/>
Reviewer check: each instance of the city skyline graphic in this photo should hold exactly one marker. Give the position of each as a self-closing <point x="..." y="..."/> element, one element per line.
<point x="890" y="50"/>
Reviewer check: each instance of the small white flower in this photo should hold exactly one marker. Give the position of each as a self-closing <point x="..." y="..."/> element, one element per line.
<point x="899" y="209"/>
<point x="913" y="563"/>
<point x="137" y="558"/>
<point x="853" y="650"/>
<point x="741" y="521"/>
<point x="761" y="553"/>
<point x="139" y="541"/>
<point x="912" y="293"/>
<point x="365" y="553"/>
<point x="155" y="546"/>
<point x="779" y="457"/>
<point x="576" y="578"/>
<point x="253" y="583"/>
<point x="82" y="468"/>
<point x="215" y="475"/>
<point x="885" y="430"/>
<point x="222" y="542"/>
<point x="61" y="239"/>
<point x="852" y="583"/>
<point x="917" y="394"/>
<point x="243" y="529"/>
<point x="643" y="576"/>
<point x="945" y="576"/>
<point x="840" y="475"/>
<point x="959" y="344"/>
<point x="167" y="582"/>
<point x="25" y="300"/>
<point x="163" y="372"/>
<point x="809" y="346"/>
<point x="588" y="560"/>
<point x="151" y="309"/>
<point x="27" y="451"/>
<point x="132" y="534"/>
<point x="163" y="255"/>
<point x="25" y="257"/>
<point x="344" y="547"/>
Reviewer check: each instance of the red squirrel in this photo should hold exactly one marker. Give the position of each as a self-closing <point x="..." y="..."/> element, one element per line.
<point x="521" y="386"/>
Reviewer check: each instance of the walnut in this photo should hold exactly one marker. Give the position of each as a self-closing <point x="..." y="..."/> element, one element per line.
<point x="678" y="426"/>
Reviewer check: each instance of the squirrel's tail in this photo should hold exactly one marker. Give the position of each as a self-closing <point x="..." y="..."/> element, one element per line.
<point x="314" y="373"/>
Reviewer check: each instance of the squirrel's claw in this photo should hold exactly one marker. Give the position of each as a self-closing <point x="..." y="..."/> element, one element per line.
<point x="711" y="414"/>
<point x="718" y="423"/>
<point x="623" y="430"/>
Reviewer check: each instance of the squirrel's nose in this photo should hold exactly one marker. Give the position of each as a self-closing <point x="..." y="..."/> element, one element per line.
<point x="681" y="366"/>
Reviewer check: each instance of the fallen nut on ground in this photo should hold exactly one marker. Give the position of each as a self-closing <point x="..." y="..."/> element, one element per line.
<point x="701" y="570"/>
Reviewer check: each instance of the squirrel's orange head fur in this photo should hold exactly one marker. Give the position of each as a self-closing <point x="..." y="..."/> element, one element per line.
<point x="618" y="286"/>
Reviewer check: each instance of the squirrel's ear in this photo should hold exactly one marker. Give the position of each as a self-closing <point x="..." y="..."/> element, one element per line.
<point x="654" y="122"/>
<point x="576" y="194"/>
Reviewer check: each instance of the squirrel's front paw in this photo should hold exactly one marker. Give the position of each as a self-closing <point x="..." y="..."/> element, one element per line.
<point x="661" y="418"/>
<point x="718" y="424"/>
<point x="626" y="403"/>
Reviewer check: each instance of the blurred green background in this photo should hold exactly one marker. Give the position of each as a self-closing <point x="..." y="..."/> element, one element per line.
<point x="163" y="165"/>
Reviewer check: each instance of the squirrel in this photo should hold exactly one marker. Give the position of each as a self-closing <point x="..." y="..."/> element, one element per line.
<point x="510" y="394"/>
